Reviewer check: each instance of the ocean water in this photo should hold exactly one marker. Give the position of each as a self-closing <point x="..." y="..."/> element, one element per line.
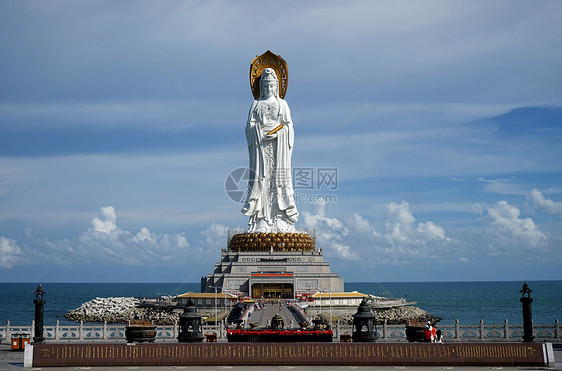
<point x="466" y="301"/>
<point x="493" y="302"/>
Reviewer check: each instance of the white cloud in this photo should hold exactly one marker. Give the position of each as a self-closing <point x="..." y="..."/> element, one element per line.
<point x="476" y="208"/>
<point x="399" y="222"/>
<point x="404" y="240"/>
<point x="106" y="222"/>
<point x="107" y="243"/>
<point x="10" y="252"/>
<point x="330" y="232"/>
<point x="215" y="237"/>
<point x="361" y="225"/>
<point x="502" y="186"/>
<point x="143" y="235"/>
<point x="401" y="228"/>
<point x="538" y="200"/>
<point x="510" y="232"/>
<point x="429" y="231"/>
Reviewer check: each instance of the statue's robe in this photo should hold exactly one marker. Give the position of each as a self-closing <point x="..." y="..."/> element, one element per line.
<point x="281" y="202"/>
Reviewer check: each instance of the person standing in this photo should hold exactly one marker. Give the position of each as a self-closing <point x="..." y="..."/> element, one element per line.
<point x="439" y="337"/>
<point x="427" y="334"/>
<point x="433" y="334"/>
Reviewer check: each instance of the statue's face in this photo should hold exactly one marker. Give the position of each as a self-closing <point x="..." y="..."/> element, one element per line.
<point x="269" y="89"/>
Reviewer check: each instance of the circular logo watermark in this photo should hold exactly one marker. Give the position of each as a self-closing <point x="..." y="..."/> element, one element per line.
<point x="236" y="184"/>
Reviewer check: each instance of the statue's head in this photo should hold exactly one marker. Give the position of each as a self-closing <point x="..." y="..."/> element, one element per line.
<point x="269" y="84"/>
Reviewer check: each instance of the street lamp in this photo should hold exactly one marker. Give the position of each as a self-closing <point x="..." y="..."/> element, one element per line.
<point x="321" y="290"/>
<point x="526" y="301"/>
<point x="216" y="314"/>
<point x="39" y="315"/>
<point x="330" y="290"/>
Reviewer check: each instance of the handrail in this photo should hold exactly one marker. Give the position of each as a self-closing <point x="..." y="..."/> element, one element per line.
<point x="385" y="332"/>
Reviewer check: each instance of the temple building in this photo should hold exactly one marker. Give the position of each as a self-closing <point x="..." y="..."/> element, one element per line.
<point x="273" y="265"/>
<point x="324" y="299"/>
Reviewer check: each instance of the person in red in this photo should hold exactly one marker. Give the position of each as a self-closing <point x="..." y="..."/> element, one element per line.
<point x="427" y="334"/>
<point x="433" y="334"/>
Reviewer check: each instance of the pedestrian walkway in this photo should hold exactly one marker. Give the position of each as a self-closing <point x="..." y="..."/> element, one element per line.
<point x="264" y="316"/>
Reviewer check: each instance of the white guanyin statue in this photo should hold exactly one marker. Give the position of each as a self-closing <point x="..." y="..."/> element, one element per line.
<point x="270" y="202"/>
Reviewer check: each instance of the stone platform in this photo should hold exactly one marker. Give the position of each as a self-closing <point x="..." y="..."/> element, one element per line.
<point x="272" y="274"/>
<point x="290" y="354"/>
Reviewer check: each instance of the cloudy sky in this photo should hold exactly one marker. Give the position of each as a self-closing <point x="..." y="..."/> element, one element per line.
<point x="441" y="122"/>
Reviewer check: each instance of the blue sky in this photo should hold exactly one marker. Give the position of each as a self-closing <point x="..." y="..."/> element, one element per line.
<point x="120" y="122"/>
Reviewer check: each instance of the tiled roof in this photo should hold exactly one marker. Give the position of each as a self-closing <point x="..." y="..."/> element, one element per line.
<point x="205" y="295"/>
<point x="339" y="295"/>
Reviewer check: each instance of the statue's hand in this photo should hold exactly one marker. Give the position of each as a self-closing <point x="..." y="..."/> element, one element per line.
<point x="271" y="136"/>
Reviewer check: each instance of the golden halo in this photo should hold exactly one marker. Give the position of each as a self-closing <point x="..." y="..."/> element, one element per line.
<point x="260" y="63"/>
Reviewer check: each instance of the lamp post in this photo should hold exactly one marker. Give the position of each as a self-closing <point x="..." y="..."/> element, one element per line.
<point x="39" y="303"/>
<point x="526" y="301"/>
<point x="216" y="314"/>
<point x="320" y="290"/>
<point x="330" y="290"/>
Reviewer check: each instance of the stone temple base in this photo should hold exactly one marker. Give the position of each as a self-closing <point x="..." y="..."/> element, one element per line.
<point x="272" y="265"/>
<point x="272" y="274"/>
<point x="290" y="354"/>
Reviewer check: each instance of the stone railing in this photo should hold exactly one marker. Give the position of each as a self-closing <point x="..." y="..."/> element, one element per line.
<point x="299" y="313"/>
<point x="389" y="333"/>
<point x="458" y="332"/>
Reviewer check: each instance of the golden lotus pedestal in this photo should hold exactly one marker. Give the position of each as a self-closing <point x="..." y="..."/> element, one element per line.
<point x="277" y="242"/>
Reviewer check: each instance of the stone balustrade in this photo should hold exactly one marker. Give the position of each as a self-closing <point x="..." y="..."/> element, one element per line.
<point x="386" y="333"/>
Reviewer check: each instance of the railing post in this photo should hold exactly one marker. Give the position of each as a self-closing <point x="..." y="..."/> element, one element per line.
<point x="8" y="332"/>
<point x="57" y="331"/>
<point x="81" y="330"/>
<point x="175" y="332"/>
<point x="556" y="328"/>
<point x="384" y="329"/>
<point x="505" y="329"/>
<point x="104" y="332"/>
<point x="457" y="330"/>
<point x="481" y="329"/>
<point x="32" y="329"/>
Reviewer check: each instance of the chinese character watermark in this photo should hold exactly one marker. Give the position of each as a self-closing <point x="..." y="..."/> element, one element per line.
<point x="315" y="178"/>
